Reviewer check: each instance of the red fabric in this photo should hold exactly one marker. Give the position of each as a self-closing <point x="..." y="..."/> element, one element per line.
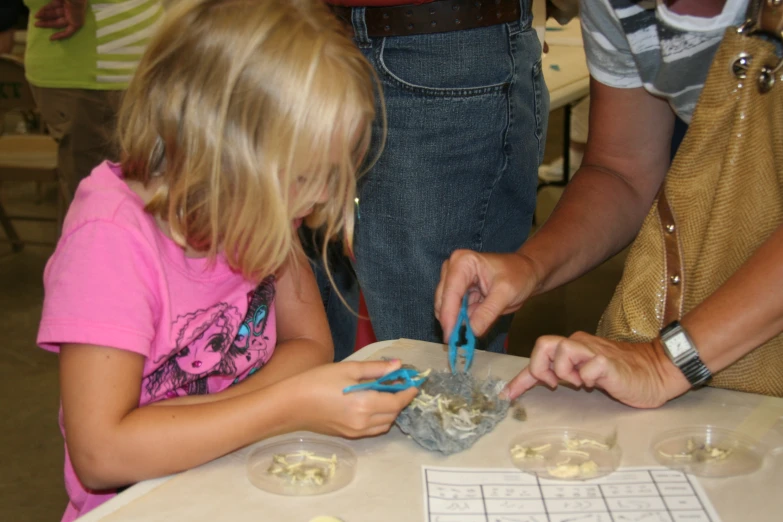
<point x="375" y="3"/>
<point x="364" y="332"/>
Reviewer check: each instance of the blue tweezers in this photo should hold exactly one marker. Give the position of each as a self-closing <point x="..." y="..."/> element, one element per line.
<point x="470" y="339"/>
<point x="395" y="381"/>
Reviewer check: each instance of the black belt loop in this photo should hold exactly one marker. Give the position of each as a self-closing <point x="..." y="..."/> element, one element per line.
<point x="439" y="16"/>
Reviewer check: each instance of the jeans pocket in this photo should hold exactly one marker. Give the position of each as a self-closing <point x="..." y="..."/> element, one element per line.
<point x="452" y="64"/>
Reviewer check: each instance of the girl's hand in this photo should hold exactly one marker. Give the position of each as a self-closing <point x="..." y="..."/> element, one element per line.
<point x="639" y="375"/>
<point x="324" y="408"/>
<point x="498" y="285"/>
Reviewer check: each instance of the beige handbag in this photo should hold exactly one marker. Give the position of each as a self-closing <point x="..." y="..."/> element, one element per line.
<point x="722" y="198"/>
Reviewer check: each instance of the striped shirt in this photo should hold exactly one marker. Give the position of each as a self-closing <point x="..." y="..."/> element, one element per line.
<point x="102" y="55"/>
<point x="641" y="43"/>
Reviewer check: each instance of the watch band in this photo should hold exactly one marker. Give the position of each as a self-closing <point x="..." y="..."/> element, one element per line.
<point x="679" y="347"/>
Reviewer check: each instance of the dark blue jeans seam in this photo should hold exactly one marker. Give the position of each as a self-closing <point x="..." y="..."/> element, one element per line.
<point x="509" y="125"/>
<point x="537" y="72"/>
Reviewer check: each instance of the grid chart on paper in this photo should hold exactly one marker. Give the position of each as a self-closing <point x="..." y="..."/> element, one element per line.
<point x="507" y="495"/>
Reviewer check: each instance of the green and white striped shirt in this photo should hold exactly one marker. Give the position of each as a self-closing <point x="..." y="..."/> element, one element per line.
<point x="102" y="55"/>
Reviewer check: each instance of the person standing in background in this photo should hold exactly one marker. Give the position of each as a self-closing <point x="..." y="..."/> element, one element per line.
<point x="79" y="59"/>
<point x="648" y="64"/>
<point x="467" y="113"/>
<point x="11" y="14"/>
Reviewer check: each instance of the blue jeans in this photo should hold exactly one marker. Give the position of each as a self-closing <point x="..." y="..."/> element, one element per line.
<point x="342" y="321"/>
<point x="466" y="114"/>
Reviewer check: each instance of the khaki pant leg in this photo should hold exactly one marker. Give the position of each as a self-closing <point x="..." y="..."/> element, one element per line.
<point x="83" y="123"/>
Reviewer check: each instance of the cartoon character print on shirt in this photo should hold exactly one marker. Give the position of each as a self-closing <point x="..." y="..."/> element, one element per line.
<point x="203" y="341"/>
<point x="251" y="341"/>
<point x="211" y="341"/>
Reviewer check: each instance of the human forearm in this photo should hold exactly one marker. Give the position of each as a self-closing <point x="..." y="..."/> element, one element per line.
<point x="744" y="312"/>
<point x="150" y="442"/>
<point x="598" y="214"/>
<point x="289" y="358"/>
<point x="109" y="449"/>
<point x="738" y="317"/>
<point x="293" y="357"/>
<point x="602" y="209"/>
<point x="625" y="161"/>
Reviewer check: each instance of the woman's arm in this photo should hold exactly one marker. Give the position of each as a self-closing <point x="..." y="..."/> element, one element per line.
<point x="112" y="441"/>
<point x="602" y="209"/>
<point x="600" y="212"/>
<point x="742" y="314"/>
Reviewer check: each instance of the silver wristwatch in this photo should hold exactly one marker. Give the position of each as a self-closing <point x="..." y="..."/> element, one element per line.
<point x="680" y="348"/>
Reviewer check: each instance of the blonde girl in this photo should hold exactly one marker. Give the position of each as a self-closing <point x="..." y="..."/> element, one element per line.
<point x="187" y="321"/>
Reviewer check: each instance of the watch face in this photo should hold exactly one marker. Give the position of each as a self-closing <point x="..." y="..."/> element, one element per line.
<point x="678" y="345"/>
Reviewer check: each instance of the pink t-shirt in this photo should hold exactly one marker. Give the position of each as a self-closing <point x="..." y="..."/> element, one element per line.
<point x="116" y="280"/>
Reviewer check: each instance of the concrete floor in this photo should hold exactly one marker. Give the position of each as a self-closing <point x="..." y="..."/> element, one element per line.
<point x="31" y="450"/>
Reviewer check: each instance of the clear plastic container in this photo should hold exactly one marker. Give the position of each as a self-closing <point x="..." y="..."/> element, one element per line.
<point x="301" y="466"/>
<point x="708" y="451"/>
<point x="565" y="453"/>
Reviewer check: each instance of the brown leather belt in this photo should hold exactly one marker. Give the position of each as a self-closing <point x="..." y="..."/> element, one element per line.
<point x="439" y="16"/>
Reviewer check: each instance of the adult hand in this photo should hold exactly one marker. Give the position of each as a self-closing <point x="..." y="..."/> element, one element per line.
<point x="498" y="285"/>
<point x="67" y="15"/>
<point x="638" y="374"/>
<point x="326" y="409"/>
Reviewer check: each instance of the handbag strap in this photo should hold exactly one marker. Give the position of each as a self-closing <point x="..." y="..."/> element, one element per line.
<point x="769" y="17"/>
<point x="764" y="16"/>
<point x="752" y="12"/>
<point x="675" y="275"/>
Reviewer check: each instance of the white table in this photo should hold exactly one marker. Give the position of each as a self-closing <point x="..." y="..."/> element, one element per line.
<point x="567" y="78"/>
<point x="565" y="65"/>
<point x="388" y="485"/>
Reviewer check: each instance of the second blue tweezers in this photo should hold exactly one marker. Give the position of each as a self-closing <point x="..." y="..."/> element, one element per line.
<point x="395" y="381"/>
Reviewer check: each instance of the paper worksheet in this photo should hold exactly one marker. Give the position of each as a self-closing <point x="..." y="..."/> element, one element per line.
<point x="645" y="494"/>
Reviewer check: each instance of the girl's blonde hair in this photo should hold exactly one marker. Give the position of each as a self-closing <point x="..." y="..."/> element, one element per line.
<point x="249" y="111"/>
